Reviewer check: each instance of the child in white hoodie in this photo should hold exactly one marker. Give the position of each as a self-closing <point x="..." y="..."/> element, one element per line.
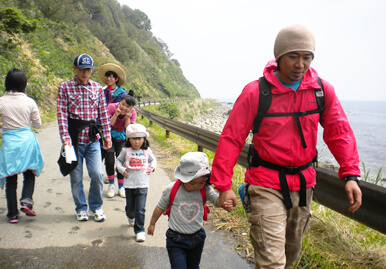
<point x="135" y="162"/>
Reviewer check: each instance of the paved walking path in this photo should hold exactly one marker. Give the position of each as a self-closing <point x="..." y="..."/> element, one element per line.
<point x="55" y="239"/>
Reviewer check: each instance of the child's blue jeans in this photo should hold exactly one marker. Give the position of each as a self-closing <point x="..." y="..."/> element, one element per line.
<point x="185" y="250"/>
<point x="135" y="207"/>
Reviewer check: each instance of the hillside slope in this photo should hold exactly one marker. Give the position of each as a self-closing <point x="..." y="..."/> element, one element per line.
<point x="40" y="38"/>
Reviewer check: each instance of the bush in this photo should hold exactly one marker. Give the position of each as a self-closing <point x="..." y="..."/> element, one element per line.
<point x="13" y="21"/>
<point x="169" y="108"/>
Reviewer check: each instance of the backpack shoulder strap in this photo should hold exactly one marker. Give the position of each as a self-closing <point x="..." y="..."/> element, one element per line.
<point x="206" y="208"/>
<point x="319" y="96"/>
<point x="265" y="99"/>
<point x="146" y="152"/>
<point x="203" y="195"/>
<point x="173" y="193"/>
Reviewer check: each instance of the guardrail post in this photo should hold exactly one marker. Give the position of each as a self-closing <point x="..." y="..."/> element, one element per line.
<point x="200" y="148"/>
<point x="167" y="133"/>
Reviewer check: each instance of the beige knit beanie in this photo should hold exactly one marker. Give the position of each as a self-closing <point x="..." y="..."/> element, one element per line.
<point x="294" y="38"/>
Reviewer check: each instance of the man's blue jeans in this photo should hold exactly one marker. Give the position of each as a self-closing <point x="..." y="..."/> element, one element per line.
<point x="135" y="207"/>
<point x="92" y="154"/>
<point x="185" y="250"/>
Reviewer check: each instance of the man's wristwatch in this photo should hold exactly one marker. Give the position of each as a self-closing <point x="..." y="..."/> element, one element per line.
<point x="353" y="178"/>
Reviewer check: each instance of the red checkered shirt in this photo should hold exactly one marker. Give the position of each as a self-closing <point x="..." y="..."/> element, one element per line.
<point x="82" y="102"/>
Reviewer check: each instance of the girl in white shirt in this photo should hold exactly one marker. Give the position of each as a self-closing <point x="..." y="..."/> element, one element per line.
<point x="135" y="162"/>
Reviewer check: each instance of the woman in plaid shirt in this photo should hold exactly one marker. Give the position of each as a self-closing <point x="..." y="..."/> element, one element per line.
<point x="80" y="104"/>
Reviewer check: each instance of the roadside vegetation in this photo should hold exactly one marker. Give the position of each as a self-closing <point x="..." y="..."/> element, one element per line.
<point x="331" y="239"/>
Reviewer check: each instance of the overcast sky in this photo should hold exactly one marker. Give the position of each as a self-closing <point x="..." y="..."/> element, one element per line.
<point x="222" y="45"/>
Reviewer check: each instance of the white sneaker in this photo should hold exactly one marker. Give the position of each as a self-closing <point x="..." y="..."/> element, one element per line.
<point x="111" y="191"/>
<point x="98" y="214"/>
<point x="122" y="192"/>
<point x="131" y="222"/>
<point x="140" y="237"/>
<point x="82" y="216"/>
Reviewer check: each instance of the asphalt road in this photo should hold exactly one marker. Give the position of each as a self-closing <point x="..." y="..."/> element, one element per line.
<point x="55" y="239"/>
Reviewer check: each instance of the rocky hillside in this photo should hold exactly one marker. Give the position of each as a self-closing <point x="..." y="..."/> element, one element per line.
<point x="214" y="119"/>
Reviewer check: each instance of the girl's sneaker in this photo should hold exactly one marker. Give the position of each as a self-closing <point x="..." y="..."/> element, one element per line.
<point x="27" y="209"/>
<point x="122" y="192"/>
<point x="14" y="219"/>
<point x="140" y="237"/>
<point x="111" y="191"/>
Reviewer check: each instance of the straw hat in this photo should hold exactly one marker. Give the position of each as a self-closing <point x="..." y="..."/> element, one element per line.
<point x="115" y="68"/>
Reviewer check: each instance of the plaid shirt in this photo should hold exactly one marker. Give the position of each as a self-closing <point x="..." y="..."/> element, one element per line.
<point x="82" y="102"/>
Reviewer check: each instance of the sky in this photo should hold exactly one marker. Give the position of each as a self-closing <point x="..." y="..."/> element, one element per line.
<point x="222" y="45"/>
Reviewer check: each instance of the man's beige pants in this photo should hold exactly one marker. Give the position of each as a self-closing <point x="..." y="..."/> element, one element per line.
<point x="276" y="233"/>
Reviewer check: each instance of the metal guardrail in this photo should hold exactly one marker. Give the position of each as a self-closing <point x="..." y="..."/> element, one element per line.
<point x="329" y="190"/>
<point x="157" y="102"/>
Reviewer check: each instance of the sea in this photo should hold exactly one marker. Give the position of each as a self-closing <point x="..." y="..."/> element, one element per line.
<point x="368" y="121"/>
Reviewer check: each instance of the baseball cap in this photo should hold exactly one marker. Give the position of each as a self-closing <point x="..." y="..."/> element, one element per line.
<point x="83" y="61"/>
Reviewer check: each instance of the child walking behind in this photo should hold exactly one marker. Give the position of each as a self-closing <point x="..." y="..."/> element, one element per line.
<point x="185" y="237"/>
<point x="20" y="151"/>
<point x="135" y="162"/>
<point x="121" y="114"/>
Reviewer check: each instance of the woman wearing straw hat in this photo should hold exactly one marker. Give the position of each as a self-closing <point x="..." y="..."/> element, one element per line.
<point x="114" y="77"/>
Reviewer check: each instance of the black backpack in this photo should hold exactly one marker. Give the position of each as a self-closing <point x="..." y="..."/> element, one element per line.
<point x="265" y="99"/>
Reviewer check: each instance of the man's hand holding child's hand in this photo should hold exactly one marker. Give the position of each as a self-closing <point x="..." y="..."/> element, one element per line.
<point x="228" y="205"/>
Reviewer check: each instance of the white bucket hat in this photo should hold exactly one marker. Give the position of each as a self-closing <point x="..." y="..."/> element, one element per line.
<point x="192" y="165"/>
<point x="136" y="130"/>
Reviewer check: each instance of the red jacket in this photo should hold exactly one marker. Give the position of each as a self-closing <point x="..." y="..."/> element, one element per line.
<point x="278" y="140"/>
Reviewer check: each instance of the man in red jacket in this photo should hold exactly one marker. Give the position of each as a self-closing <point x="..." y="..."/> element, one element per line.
<point x="281" y="178"/>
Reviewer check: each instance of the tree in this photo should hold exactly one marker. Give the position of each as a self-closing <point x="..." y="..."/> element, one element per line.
<point x="169" y="108"/>
<point x="13" y="21"/>
<point x="165" y="47"/>
<point x="139" y="19"/>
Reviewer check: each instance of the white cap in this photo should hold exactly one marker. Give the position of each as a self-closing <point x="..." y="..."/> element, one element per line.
<point x="192" y="165"/>
<point x="136" y="130"/>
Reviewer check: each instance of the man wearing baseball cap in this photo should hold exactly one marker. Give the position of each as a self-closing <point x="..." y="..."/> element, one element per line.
<point x="280" y="174"/>
<point x="80" y="105"/>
